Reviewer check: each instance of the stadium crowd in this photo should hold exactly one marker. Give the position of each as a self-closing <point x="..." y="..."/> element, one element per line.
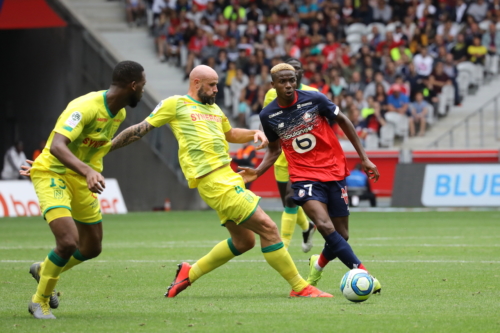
<point x="380" y="61"/>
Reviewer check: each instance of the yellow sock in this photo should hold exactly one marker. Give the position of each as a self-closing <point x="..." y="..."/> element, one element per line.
<point x="288" y="221"/>
<point x="49" y="275"/>
<point x="302" y="219"/>
<point x="219" y="255"/>
<point x="76" y="259"/>
<point x="279" y="259"/>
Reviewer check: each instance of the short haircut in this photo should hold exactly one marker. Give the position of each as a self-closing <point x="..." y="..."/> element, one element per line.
<point x="281" y="67"/>
<point x="126" y="72"/>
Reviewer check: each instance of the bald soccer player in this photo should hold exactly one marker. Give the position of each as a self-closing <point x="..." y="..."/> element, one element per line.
<point x="203" y="133"/>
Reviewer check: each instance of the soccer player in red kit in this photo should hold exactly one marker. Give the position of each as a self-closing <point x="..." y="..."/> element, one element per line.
<point x="298" y="121"/>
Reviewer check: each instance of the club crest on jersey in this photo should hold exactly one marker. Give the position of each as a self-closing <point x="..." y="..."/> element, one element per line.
<point x="307" y="117"/>
<point x="302" y="193"/>
<point x="344" y="195"/>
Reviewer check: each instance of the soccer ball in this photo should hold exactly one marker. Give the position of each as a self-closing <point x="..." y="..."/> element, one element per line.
<point x="357" y="285"/>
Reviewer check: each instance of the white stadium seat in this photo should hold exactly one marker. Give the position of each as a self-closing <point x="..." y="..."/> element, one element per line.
<point x="356" y="28"/>
<point x="353" y="38"/>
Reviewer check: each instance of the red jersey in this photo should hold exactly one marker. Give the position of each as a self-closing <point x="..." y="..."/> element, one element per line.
<point x="312" y="150"/>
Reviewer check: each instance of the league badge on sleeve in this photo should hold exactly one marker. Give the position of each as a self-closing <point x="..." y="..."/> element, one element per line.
<point x="74" y="119"/>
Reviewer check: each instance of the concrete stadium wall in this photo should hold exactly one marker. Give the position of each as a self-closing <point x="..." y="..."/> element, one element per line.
<point x="43" y="69"/>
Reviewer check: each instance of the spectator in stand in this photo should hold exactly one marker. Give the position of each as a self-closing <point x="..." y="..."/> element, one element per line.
<point x="418" y="114"/>
<point x="233" y="31"/>
<point x="399" y="83"/>
<point x="272" y="49"/>
<point x="433" y="49"/>
<point x="408" y="28"/>
<point x="425" y="7"/>
<point x="264" y="78"/>
<point x="194" y="15"/>
<point x="477" y="52"/>
<point x="423" y="63"/>
<point x="371" y="89"/>
<point x="249" y="97"/>
<point x="441" y="79"/>
<point x="232" y="50"/>
<point x="39" y="150"/>
<point x="254" y="13"/>
<point x="459" y="49"/>
<point x="252" y="67"/>
<point x="459" y="12"/>
<point x="491" y="40"/>
<point x="420" y="39"/>
<point x="307" y="11"/>
<point x="390" y="72"/>
<point x="160" y="33"/>
<point x="330" y="47"/>
<point x="234" y="12"/>
<point x="336" y="86"/>
<point x="252" y="33"/>
<point x="398" y="35"/>
<point x="222" y="63"/>
<point x="347" y="12"/>
<point x="196" y="43"/>
<point x="238" y="84"/>
<point x="398" y="52"/>
<point x="429" y="93"/>
<point x="448" y="29"/>
<point x="389" y="42"/>
<point x="472" y="31"/>
<point x="348" y="71"/>
<point x="382" y="12"/>
<point x="381" y="99"/>
<point x="209" y="50"/>
<point x="210" y="13"/>
<point x="397" y="101"/>
<point x="355" y="85"/>
<point x="135" y="12"/>
<point x="376" y="39"/>
<point x="319" y="83"/>
<point x="451" y="70"/>
<point x="364" y="13"/>
<point x="12" y="161"/>
<point x="372" y="116"/>
<point x="478" y="10"/>
<point x="414" y="81"/>
<point x="359" y="100"/>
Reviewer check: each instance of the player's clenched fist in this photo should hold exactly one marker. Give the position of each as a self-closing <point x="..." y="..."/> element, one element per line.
<point x="95" y="182"/>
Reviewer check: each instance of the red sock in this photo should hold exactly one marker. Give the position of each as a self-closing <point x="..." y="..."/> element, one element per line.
<point x="361" y="266"/>
<point x="322" y="261"/>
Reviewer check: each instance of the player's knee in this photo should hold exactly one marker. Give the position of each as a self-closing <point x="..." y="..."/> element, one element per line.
<point x="66" y="246"/>
<point x="325" y="226"/>
<point x="244" y="245"/>
<point x="289" y="201"/>
<point x="94" y="252"/>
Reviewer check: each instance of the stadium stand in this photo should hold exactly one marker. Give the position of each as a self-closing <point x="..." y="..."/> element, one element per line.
<point x="443" y="49"/>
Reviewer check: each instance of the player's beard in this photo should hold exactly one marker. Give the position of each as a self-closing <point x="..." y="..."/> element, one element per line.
<point x="134" y="100"/>
<point x="205" y="99"/>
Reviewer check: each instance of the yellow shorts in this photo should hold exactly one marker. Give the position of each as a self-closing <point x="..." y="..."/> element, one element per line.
<point x="224" y="191"/>
<point x="66" y="191"/>
<point x="281" y="169"/>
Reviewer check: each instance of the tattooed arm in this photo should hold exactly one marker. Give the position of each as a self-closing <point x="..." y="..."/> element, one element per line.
<point x="131" y="134"/>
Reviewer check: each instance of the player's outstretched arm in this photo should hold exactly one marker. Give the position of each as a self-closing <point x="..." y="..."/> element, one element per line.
<point x="242" y="135"/>
<point x="131" y="134"/>
<point x="272" y="154"/>
<point x="349" y="130"/>
<point x="59" y="148"/>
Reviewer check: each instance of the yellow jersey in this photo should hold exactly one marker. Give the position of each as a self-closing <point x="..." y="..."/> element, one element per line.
<point x="199" y="129"/>
<point x="90" y="126"/>
<point x="270" y="96"/>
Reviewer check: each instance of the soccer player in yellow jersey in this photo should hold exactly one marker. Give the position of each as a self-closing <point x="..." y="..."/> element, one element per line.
<point x="67" y="179"/>
<point x="203" y="132"/>
<point x="292" y="214"/>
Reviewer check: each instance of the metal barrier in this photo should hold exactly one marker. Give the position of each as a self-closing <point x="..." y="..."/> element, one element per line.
<point x="462" y="130"/>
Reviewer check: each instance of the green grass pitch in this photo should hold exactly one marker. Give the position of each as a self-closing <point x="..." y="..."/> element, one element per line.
<point x="440" y="272"/>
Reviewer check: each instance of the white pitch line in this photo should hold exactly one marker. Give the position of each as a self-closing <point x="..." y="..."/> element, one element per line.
<point x="178" y="246"/>
<point x="263" y="261"/>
